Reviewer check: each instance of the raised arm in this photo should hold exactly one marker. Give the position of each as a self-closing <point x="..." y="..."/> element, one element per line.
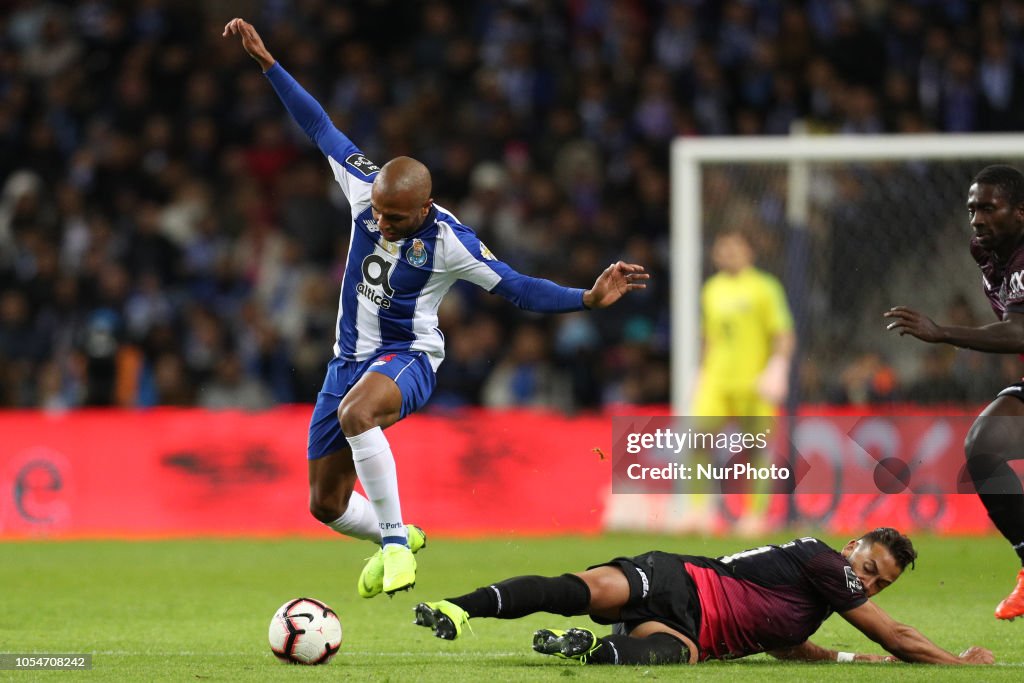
<point x="906" y="642"/>
<point x="352" y="170"/>
<point x="251" y="41"/>
<point x="1005" y="336"/>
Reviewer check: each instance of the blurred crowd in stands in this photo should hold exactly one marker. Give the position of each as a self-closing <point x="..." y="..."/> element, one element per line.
<point x="168" y="237"/>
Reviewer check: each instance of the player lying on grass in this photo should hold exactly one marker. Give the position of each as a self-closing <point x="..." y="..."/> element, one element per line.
<point x="672" y="609"/>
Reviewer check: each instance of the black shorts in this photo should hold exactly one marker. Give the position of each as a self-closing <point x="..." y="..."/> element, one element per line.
<point x="659" y="590"/>
<point x="1016" y="390"/>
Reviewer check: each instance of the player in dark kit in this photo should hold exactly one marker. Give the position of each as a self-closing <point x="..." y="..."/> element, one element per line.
<point x="995" y="204"/>
<point x="686" y="608"/>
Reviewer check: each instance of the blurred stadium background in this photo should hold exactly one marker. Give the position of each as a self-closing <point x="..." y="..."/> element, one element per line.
<point x="170" y="249"/>
<point x="169" y="241"/>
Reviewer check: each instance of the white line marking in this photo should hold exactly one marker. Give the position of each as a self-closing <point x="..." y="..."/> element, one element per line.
<point x="343" y="653"/>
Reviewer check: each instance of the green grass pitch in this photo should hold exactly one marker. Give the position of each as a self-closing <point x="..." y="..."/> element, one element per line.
<point x="198" y="610"/>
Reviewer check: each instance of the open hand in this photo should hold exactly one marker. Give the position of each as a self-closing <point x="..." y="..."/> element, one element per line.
<point x="251" y="41"/>
<point x="864" y="657"/>
<point x="617" y="280"/>
<point x="908" y="321"/>
<point x="977" y="655"/>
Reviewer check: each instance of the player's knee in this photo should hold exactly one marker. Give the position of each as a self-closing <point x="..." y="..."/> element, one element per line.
<point x="601" y="588"/>
<point x="981" y="442"/>
<point x="608" y="587"/>
<point x="355" y="418"/>
<point x="986" y="451"/>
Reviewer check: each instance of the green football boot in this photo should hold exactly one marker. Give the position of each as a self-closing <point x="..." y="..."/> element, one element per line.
<point x="445" y="618"/>
<point x="576" y="643"/>
<point x="371" y="579"/>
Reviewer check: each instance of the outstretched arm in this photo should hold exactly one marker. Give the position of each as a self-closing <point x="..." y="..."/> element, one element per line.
<point x="543" y="296"/>
<point x="809" y="652"/>
<point x="1005" y="336"/>
<point x="906" y="642"/>
<point x="616" y="281"/>
<point x="469" y="259"/>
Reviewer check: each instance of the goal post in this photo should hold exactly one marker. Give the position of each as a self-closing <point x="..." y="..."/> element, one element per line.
<point x="819" y="195"/>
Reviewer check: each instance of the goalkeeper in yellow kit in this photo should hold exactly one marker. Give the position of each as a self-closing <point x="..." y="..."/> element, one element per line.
<point x="748" y="345"/>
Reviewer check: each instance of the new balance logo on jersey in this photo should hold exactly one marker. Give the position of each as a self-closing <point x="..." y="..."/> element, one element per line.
<point x="1017" y="284"/>
<point x="376" y="273"/>
<point x="371" y="225"/>
<point x="360" y="163"/>
<point x="852" y="582"/>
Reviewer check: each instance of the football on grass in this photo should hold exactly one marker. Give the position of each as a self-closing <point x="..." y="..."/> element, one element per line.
<point x="305" y="631"/>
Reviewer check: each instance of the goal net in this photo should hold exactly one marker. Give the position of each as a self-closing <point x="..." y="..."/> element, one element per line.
<point x="851" y="226"/>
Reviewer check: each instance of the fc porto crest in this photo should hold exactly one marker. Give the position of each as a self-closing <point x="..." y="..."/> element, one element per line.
<point x="417" y="253"/>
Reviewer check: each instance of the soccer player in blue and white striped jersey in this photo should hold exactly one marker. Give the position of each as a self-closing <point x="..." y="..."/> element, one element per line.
<point x="405" y="253"/>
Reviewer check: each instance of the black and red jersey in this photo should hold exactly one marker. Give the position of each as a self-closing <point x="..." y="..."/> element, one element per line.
<point x="1003" y="281"/>
<point x="770" y="597"/>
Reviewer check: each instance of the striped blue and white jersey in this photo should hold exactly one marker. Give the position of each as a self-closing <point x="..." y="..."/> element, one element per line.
<point x="390" y="291"/>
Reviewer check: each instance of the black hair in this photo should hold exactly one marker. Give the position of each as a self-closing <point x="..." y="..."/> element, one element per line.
<point x="1008" y="180"/>
<point x="899" y="545"/>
